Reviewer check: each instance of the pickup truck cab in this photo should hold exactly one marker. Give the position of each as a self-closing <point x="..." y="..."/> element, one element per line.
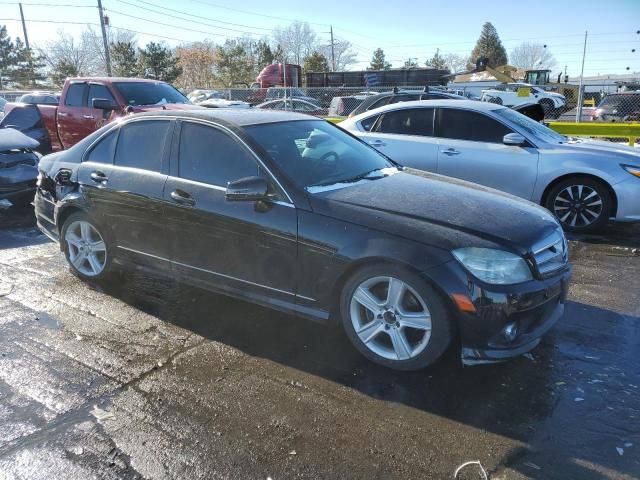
<point x="86" y="104"/>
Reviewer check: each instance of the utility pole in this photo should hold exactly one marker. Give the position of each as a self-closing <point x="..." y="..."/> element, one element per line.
<point x="107" y="58"/>
<point x="26" y="42"/>
<point x="580" y="93"/>
<point x="333" y="54"/>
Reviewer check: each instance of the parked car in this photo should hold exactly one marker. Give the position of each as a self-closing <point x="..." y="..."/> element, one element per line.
<point x="275" y="93"/>
<point x="86" y="104"/>
<point x="341" y="106"/>
<point x="236" y="201"/>
<point x="18" y="166"/>
<point x="618" y="107"/>
<point x="513" y="94"/>
<point x="585" y="183"/>
<point x="295" y="105"/>
<point x="397" y="96"/>
<point x="39" y="98"/>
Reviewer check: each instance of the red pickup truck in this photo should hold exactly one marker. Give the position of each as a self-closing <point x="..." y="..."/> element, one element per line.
<point x="86" y="104"/>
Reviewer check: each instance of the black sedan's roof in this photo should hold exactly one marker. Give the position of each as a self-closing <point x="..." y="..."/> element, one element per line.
<point x="239" y="116"/>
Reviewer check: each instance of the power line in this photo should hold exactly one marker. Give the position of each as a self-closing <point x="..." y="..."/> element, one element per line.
<point x="178" y="26"/>
<point x="247" y="12"/>
<point x="163" y="12"/>
<point x="47" y="4"/>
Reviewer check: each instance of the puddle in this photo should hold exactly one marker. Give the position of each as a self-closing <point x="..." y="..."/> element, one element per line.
<point x="47" y="321"/>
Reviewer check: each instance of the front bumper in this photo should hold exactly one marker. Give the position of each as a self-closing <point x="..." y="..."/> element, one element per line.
<point x="628" y="195"/>
<point x="533" y="307"/>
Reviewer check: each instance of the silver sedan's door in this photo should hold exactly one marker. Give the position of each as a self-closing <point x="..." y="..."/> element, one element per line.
<point x="470" y="148"/>
<point x="406" y="136"/>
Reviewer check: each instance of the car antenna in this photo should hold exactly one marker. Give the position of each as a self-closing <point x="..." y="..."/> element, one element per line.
<point x="395" y="90"/>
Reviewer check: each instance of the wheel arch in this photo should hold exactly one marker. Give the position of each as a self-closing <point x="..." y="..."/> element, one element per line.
<point x="555" y="181"/>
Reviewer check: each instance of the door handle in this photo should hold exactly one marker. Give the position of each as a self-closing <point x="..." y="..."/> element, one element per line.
<point x="182" y="197"/>
<point x="98" y="177"/>
<point x="377" y="143"/>
<point x="451" y="152"/>
<point x="88" y="117"/>
<point x="63" y="114"/>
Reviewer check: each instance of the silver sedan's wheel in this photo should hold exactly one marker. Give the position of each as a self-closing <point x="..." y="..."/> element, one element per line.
<point x="578" y="206"/>
<point x="86" y="248"/>
<point x="390" y="318"/>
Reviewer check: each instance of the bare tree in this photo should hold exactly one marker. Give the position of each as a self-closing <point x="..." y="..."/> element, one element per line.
<point x="532" y="56"/>
<point x="297" y="41"/>
<point x="197" y="61"/>
<point x="92" y="40"/>
<point x="456" y="63"/>
<point x="75" y="56"/>
<point x="344" y="56"/>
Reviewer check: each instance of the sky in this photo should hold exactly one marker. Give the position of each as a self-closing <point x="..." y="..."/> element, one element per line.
<point x="404" y="30"/>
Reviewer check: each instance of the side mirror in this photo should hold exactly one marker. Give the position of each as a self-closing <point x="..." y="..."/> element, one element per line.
<point x="514" y="139"/>
<point x="247" y="189"/>
<point x="102" y="104"/>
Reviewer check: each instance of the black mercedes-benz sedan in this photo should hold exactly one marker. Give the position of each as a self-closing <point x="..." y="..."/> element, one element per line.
<point x="296" y="214"/>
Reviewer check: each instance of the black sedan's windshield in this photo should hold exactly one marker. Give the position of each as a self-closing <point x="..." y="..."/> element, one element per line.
<point x="149" y="93"/>
<point x="314" y="153"/>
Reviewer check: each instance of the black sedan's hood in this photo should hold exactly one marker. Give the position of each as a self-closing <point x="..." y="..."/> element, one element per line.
<point x="438" y="210"/>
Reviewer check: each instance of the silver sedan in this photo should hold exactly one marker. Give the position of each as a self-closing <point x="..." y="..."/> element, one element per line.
<point x="585" y="183"/>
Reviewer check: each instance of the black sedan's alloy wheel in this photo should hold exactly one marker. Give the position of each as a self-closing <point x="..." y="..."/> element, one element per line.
<point x="394" y="318"/>
<point x="581" y="204"/>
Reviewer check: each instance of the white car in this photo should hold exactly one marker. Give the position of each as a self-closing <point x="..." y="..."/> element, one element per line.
<point x="513" y="94"/>
<point x="583" y="182"/>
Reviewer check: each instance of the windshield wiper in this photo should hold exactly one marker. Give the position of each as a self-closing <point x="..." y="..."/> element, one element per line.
<point x="363" y="176"/>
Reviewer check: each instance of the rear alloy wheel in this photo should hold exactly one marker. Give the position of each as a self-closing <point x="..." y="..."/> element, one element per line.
<point x="394" y="318"/>
<point x="85" y="248"/>
<point x="581" y="204"/>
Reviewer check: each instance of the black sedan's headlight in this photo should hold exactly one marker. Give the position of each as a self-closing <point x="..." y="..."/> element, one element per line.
<point x="494" y="266"/>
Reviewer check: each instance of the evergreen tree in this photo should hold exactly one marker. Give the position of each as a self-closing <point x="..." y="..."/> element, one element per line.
<point x="437" y="61"/>
<point x="62" y="70"/>
<point x="410" y="63"/>
<point x="159" y="62"/>
<point x="489" y="46"/>
<point x="264" y="54"/>
<point x="6" y="54"/>
<point x="379" y="61"/>
<point x="27" y="67"/>
<point x="124" y="59"/>
<point x="316" y="62"/>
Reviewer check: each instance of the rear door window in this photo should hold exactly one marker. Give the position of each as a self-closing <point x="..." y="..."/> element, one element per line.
<point x="467" y="125"/>
<point x="403" y="98"/>
<point x="212" y="156"/>
<point x="75" y="95"/>
<point x="104" y="149"/>
<point x="141" y="144"/>
<point x="408" y="121"/>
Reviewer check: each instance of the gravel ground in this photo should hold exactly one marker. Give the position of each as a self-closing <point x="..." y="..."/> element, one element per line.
<point x="152" y="379"/>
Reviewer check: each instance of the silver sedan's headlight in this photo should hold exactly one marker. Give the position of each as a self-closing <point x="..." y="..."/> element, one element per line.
<point x="494" y="266"/>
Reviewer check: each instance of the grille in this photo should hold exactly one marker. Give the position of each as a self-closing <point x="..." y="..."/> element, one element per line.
<point x="551" y="254"/>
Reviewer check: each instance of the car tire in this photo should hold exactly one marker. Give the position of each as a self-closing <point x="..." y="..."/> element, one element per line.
<point x="547" y="106"/>
<point x="578" y="198"/>
<point x="87" y="248"/>
<point x="406" y="334"/>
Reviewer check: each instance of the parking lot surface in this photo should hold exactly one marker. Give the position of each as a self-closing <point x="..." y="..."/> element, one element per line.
<point x="152" y="379"/>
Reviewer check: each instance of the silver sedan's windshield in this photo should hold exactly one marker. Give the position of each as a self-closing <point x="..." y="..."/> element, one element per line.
<point x="530" y="126"/>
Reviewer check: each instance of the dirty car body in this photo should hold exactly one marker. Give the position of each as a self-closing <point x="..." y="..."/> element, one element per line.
<point x="298" y="244"/>
<point x="18" y="166"/>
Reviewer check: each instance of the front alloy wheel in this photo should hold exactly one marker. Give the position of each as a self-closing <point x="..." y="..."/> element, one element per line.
<point x="390" y="318"/>
<point x="394" y="318"/>
<point x="580" y="204"/>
